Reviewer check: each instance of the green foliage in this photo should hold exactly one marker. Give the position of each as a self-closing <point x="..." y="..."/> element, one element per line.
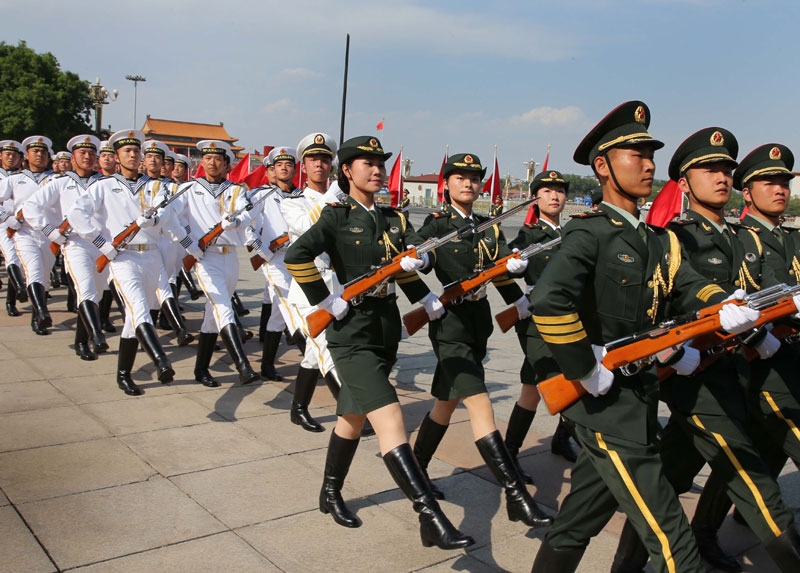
<point x="37" y="98"/>
<point x="580" y="185"/>
<point x="793" y="210"/>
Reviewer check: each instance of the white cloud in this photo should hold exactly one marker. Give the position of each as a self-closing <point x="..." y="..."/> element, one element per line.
<point x="279" y="105"/>
<point x="301" y="74"/>
<point x="546" y="115"/>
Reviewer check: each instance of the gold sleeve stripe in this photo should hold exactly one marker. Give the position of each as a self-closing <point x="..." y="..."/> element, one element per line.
<point x="407" y="280"/>
<point x="566" y="319"/>
<point x="580" y="335"/>
<point x="707" y="292"/>
<point x="561" y="329"/>
<point x="309" y="279"/>
<point x="300" y="266"/>
<point x="498" y="283"/>
<point x="406" y="274"/>
<point x="314" y="213"/>
<point x="307" y="273"/>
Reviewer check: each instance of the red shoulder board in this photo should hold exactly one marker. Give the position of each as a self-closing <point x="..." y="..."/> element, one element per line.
<point x="338" y="204"/>
<point x="439" y="214"/>
<point x="530" y="225"/>
<point x="686" y="221"/>
<point x="587" y="214"/>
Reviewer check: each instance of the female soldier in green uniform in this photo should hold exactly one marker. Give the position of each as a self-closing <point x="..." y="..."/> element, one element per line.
<point x="551" y="189"/>
<point x="363" y="339"/>
<point x="459" y="337"/>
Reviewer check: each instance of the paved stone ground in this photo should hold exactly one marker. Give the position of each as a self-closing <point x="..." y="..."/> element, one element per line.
<point x="191" y="478"/>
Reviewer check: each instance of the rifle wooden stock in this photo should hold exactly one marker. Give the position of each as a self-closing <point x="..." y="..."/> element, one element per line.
<point x="11" y="232"/>
<point x="189" y="261"/>
<point x="506" y="319"/>
<point x="418" y="317"/>
<point x="120" y="240"/>
<point x="64" y="229"/>
<point x="55" y="248"/>
<point x="274" y="245"/>
<point x="319" y="320"/>
<point x="559" y="393"/>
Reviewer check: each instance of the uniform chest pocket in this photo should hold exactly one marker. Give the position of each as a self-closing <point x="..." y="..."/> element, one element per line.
<point x="714" y="269"/>
<point x="621" y="291"/>
<point x="357" y="249"/>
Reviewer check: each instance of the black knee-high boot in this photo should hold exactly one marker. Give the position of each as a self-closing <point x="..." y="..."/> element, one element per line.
<point x="337" y="464"/>
<point x="434" y="527"/>
<point x="105" y="312"/>
<point x="560" y="444"/>
<point x="519" y="503"/>
<point x="71" y="296"/>
<point x="11" y="299"/>
<point x="169" y="309"/>
<point x="186" y="277"/>
<point x="125" y="360"/>
<point x="205" y="351"/>
<point x="552" y="560"/>
<point x="631" y="556"/>
<point x="81" y="342"/>
<point x="16" y="276"/>
<point x="429" y="437"/>
<point x="714" y="501"/>
<point x="785" y="550"/>
<point x="117" y="299"/>
<point x="266" y="310"/>
<point x="241" y="309"/>
<point x="518" y="425"/>
<point x="38" y="296"/>
<point x="230" y="336"/>
<point x="89" y="316"/>
<point x="272" y="340"/>
<point x="146" y="333"/>
<point x="304" y="387"/>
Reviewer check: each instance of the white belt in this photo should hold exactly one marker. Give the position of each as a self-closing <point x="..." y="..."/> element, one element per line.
<point x="140" y="247"/>
<point x="221" y="249"/>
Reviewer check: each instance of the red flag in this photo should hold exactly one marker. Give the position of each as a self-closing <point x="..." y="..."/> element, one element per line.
<point x="494" y="182"/>
<point x="380" y="126"/>
<point x="531" y="217"/>
<point x="667" y="205"/>
<point x="256" y="178"/>
<point x="440" y="185"/>
<point x="241" y="170"/>
<point x="199" y="172"/>
<point x="744" y="212"/>
<point x="488" y="185"/>
<point x="299" y="179"/>
<point x="546" y="159"/>
<point x="396" y="180"/>
<point x="267" y="149"/>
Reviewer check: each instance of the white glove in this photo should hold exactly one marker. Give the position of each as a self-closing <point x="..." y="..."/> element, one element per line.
<point x="195" y="251"/>
<point x="335" y="305"/>
<point x="736" y="319"/>
<point x="109" y="251"/>
<point x="56" y="237"/>
<point x="265" y="254"/>
<point x="601" y="379"/>
<point x="226" y="224"/>
<point x="796" y="300"/>
<point x="433" y="306"/>
<point x="516" y="266"/>
<point x="687" y="363"/>
<point x="13" y="223"/>
<point x="768" y="347"/>
<point x="409" y="264"/>
<point x="146" y="222"/>
<point x="523" y="307"/>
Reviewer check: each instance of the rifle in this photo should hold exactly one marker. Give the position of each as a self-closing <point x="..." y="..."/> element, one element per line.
<point x="631" y="353"/>
<point x="356" y="289"/>
<point x="216" y="230"/>
<point x="507" y="318"/>
<point x="65" y="229"/>
<point x="129" y="232"/>
<point x="10" y="232"/>
<point x="455" y="292"/>
<point x="274" y="245"/>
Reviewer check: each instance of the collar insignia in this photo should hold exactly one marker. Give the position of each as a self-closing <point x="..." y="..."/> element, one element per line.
<point x="705" y="226"/>
<point x="615" y="222"/>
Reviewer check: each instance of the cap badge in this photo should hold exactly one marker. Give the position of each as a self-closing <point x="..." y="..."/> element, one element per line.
<point x="468" y="159"/>
<point x="283" y="151"/>
<point x="639" y="115"/>
<point x="212" y="145"/>
<point x="131" y="134"/>
<point x="553" y="175"/>
<point x="775" y="153"/>
<point x="40" y="140"/>
<point x="373" y="142"/>
<point x="716" y="139"/>
<point x="87" y="139"/>
<point x="319" y="139"/>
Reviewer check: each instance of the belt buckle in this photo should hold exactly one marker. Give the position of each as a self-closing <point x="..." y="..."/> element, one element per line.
<point x="225" y="249"/>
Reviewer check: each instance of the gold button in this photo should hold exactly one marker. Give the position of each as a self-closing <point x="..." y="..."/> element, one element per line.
<point x="791" y="271"/>
<point x="380" y="241"/>
<point x="736" y="282"/>
<point x="649" y="284"/>
<point x="547" y="257"/>
<point x="455" y="250"/>
<point x="650" y="312"/>
<point x="358" y="242"/>
<point x="624" y="281"/>
<point x="474" y="250"/>
<point x="383" y="259"/>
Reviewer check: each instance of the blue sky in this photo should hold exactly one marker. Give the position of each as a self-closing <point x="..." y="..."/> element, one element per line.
<point x="469" y="74"/>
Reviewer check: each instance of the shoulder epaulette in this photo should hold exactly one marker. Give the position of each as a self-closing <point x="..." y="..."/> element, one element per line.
<point x="390" y="209"/>
<point x="588" y="214"/>
<point x="439" y="214"/>
<point x="339" y="204"/>
<point x="530" y="225"/>
<point x="687" y="221"/>
<point x="59" y="175"/>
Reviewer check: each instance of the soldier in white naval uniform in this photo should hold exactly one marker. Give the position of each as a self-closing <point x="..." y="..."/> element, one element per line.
<point x="32" y="247"/>
<point x="110" y="206"/>
<point x="11" y="155"/>
<point x="107" y="161"/>
<point x="46" y="210"/>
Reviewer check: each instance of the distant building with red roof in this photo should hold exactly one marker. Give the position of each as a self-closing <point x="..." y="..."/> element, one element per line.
<point x="183" y="136"/>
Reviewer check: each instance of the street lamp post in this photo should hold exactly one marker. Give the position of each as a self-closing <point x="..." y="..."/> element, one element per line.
<point x="99" y="96"/>
<point x="135" y="79"/>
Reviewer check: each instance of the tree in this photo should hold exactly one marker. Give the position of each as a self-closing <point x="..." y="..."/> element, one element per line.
<point x="37" y="98"/>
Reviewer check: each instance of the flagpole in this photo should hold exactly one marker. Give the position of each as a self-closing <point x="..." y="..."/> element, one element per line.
<point x="400" y="192"/>
<point x="344" y="88"/>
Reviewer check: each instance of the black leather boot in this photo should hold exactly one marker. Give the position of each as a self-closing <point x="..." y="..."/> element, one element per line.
<point x="552" y="560"/>
<point x="81" y="342"/>
<point x="71" y="297"/>
<point x="272" y="340"/>
<point x="434" y="527"/>
<point x="230" y="336"/>
<point x="205" y="351"/>
<point x="187" y="279"/>
<point x="117" y="299"/>
<point x="299" y="340"/>
<point x="337" y="464"/>
<point x="174" y="288"/>
<point x="105" y="312"/>
<point x="11" y="300"/>
<point x="713" y="503"/>
<point x="169" y="309"/>
<point x="38" y="296"/>
<point x="89" y="316"/>
<point x="146" y="333"/>
<point x="429" y="437"/>
<point x="519" y="503"/>
<point x="266" y="310"/>
<point x="518" y="425"/>
<point x="304" y="386"/>
<point x="241" y="309"/>
<point x="244" y="334"/>
<point x="125" y="360"/>
<point x="560" y="444"/>
<point x="785" y="550"/>
<point x="16" y="277"/>
<point x="631" y="556"/>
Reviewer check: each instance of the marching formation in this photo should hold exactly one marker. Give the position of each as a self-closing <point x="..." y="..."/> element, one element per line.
<point x="612" y="315"/>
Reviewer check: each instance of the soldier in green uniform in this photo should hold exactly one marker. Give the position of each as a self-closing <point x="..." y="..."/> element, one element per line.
<point x="363" y="339"/>
<point x="497" y="207"/>
<point x="459" y="337"/>
<point x="551" y="189"/>
<point x="405" y="202"/>
<point x="612" y="277"/>
<point x="709" y="421"/>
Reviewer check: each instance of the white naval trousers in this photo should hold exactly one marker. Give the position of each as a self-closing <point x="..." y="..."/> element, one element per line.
<point x="136" y="283"/>
<point x="317" y="354"/>
<point x="7" y="246"/>
<point x="79" y="259"/>
<point x="278" y="280"/>
<point x="217" y="274"/>
<point x="35" y="255"/>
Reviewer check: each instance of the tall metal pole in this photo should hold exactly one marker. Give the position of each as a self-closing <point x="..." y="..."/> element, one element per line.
<point x="135" y="79"/>
<point x="344" y="88"/>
